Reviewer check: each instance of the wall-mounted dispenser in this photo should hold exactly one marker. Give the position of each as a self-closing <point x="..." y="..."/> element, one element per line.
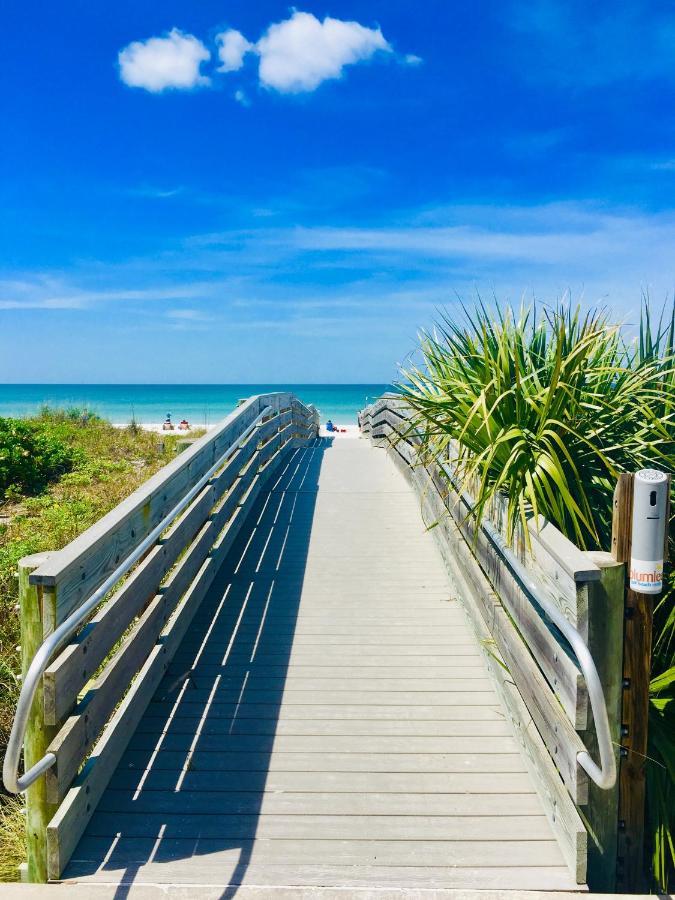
<point x="650" y="510"/>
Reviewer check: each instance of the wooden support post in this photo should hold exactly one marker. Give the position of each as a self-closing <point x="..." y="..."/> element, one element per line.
<point x="637" y="651"/>
<point x="35" y="609"/>
<point x="605" y="641"/>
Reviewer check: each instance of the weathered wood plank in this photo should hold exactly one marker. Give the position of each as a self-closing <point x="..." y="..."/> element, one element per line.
<point x="421" y="711"/>
<point x="185" y="722"/>
<point x="38" y="734"/>
<point x="265" y="803"/>
<point x="329" y="782"/>
<point x="210" y="742"/>
<point x="355" y="879"/>
<point x="514" y="853"/>
<point x="289" y="803"/>
<point x="320" y="827"/>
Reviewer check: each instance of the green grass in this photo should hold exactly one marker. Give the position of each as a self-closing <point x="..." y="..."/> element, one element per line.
<point x="105" y="464"/>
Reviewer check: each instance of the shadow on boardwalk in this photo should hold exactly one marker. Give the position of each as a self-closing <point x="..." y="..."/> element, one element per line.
<point x="192" y="781"/>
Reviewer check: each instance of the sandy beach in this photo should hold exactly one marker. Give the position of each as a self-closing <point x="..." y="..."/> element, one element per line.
<point x="158" y="427"/>
<point x="346" y="431"/>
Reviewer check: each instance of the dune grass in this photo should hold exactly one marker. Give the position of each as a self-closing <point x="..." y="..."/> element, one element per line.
<point x="93" y="467"/>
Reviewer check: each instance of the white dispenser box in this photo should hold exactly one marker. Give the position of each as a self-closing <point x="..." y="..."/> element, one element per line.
<point x="650" y="509"/>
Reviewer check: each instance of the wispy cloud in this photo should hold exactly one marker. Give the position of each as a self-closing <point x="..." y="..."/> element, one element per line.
<point x="60" y="292"/>
<point x="187" y="315"/>
<point x="272" y="273"/>
<point x="156" y="193"/>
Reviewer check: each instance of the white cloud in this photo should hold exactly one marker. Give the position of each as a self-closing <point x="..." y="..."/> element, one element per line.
<point x="167" y="62"/>
<point x="411" y="59"/>
<point x="191" y="315"/>
<point x="299" y="53"/>
<point x="232" y="48"/>
<point x="242" y="97"/>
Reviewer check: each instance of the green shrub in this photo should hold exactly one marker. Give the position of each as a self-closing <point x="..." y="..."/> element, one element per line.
<point x="545" y="409"/>
<point x="30" y="457"/>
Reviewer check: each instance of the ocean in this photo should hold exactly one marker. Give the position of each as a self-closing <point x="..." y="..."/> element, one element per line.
<point x="200" y="404"/>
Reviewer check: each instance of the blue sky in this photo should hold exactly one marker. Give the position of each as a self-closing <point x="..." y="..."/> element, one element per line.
<point x="250" y="192"/>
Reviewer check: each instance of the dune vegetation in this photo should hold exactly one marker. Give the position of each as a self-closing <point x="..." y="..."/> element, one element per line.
<point x="547" y="406"/>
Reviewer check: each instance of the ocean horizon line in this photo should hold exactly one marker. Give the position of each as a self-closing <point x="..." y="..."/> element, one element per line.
<point x="201" y="404"/>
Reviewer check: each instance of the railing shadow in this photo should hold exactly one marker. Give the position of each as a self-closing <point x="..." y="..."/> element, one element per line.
<point x="192" y="781"/>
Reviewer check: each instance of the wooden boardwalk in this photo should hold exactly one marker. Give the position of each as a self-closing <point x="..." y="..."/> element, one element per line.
<point x="329" y="718"/>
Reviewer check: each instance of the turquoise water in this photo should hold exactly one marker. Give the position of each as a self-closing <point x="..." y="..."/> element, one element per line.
<point x="201" y="404"/>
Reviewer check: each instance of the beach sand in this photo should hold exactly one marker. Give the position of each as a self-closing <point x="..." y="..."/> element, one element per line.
<point x="157" y="427"/>
<point x="350" y="431"/>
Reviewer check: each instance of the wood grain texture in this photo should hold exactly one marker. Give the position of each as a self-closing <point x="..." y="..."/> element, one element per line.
<point x="38" y="734"/>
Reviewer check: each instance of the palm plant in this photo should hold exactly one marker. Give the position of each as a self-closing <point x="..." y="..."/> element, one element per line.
<point x="545" y="409"/>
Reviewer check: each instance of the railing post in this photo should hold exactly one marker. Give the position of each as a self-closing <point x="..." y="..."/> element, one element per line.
<point x="605" y="641"/>
<point x="37" y="615"/>
<point x="637" y="657"/>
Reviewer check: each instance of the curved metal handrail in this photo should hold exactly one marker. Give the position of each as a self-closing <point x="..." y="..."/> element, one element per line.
<point x="604" y="775"/>
<point x="61" y="635"/>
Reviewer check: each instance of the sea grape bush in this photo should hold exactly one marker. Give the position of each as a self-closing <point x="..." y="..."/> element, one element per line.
<point x="30" y="457"/>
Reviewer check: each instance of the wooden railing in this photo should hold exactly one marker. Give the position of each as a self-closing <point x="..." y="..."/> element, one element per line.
<point x="538" y="677"/>
<point x="93" y="694"/>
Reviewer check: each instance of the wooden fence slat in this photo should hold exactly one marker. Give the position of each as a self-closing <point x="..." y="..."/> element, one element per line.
<point x="73" y="668"/>
<point x="80" y="732"/>
<point x="560" y="670"/>
<point x="556" y="730"/>
<point x="85" y="563"/>
<point x="70" y="820"/>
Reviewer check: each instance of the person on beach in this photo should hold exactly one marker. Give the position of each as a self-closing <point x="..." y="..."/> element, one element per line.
<point x="330" y="426"/>
<point x="184" y="425"/>
<point x="167" y="426"/>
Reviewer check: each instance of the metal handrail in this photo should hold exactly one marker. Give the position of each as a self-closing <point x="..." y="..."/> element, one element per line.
<point x="60" y="636"/>
<point x="603" y="775"/>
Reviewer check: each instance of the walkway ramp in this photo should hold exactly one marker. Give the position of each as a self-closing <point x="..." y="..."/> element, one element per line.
<point x="263" y="669"/>
<point x="328" y="718"/>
